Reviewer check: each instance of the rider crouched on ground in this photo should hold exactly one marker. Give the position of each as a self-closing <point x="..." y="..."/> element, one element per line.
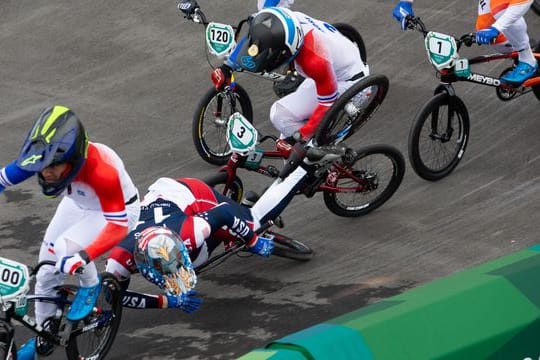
<point x="99" y="207"/>
<point x="182" y="221"/>
<point x="329" y="61"/>
<point x="499" y="23"/>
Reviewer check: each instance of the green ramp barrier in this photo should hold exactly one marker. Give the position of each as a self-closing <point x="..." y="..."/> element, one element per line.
<point x="490" y="312"/>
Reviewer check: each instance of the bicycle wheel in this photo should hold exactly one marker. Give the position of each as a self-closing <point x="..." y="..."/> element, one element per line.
<point x="289" y="248"/>
<point x="365" y="181"/>
<point x="352" y="110"/>
<point x="8" y="348"/>
<point x="94" y="335"/>
<point x="209" y="125"/>
<point x="218" y="182"/>
<point x="438" y="137"/>
<point x="352" y="34"/>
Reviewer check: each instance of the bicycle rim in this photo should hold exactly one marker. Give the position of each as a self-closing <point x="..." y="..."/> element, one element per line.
<point x="289" y="248"/>
<point x="352" y="110"/>
<point x="210" y="123"/>
<point x="95" y="334"/>
<point x="218" y="181"/>
<point x="439" y="137"/>
<point x="374" y="176"/>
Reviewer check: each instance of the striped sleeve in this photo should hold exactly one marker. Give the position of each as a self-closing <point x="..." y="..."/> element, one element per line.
<point x="314" y="61"/>
<point x="12" y="174"/>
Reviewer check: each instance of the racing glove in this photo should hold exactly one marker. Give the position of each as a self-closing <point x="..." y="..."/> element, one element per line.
<point x="261" y="246"/>
<point x="221" y="76"/>
<point x="71" y="264"/>
<point x="486" y="36"/>
<point x="401" y="11"/>
<point x="186" y="302"/>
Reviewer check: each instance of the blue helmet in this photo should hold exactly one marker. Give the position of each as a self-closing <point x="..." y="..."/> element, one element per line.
<point x="274" y="38"/>
<point x="163" y="259"/>
<point x="57" y="136"/>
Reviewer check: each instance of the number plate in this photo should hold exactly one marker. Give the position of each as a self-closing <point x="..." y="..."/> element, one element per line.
<point x="441" y="50"/>
<point x="219" y="38"/>
<point x="241" y="135"/>
<point x="13" y="279"/>
<point x="462" y="68"/>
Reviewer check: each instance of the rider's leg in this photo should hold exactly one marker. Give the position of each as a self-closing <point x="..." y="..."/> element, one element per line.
<point x="279" y="195"/>
<point x="289" y="113"/>
<point x="519" y="39"/>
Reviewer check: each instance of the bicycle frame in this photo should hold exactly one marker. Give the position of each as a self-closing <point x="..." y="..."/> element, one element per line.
<point x="324" y="179"/>
<point x="449" y="76"/>
<point x="29" y="322"/>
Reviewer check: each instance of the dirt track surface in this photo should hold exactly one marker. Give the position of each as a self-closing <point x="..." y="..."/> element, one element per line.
<point x="134" y="71"/>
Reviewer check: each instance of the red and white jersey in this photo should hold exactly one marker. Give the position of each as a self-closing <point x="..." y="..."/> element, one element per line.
<point x="103" y="184"/>
<point x="327" y="51"/>
<point x="327" y="57"/>
<point x="196" y="198"/>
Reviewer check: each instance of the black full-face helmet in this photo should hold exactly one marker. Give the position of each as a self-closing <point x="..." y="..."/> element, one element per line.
<point x="274" y="38"/>
<point x="57" y="136"/>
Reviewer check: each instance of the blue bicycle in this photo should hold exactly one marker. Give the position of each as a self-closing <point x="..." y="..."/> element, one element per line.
<point x="88" y="338"/>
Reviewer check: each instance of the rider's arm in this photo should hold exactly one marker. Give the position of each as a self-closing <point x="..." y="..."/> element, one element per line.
<point x="516" y="9"/>
<point x="313" y="60"/>
<point x="12" y="174"/>
<point x="196" y="229"/>
<point x="105" y="181"/>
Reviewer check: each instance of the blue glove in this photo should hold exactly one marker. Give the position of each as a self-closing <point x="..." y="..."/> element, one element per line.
<point x="402" y="9"/>
<point x="186" y="302"/>
<point x="262" y="247"/>
<point x="70" y="264"/>
<point x="486" y="36"/>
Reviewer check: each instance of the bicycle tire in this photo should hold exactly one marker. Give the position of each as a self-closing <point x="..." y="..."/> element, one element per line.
<point x="352" y="34"/>
<point x="103" y="324"/>
<point x="5" y="341"/>
<point x="352" y="110"/>
<point x="448" y="147"/>
<point x="536" y="6"/>
<point x="367" y="167"/>
<point x="218" y="181"/>
<point x="289" y="248"/>
<point x="209" y="135"/>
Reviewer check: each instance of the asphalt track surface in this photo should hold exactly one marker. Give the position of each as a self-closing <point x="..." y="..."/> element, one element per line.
<point x="134" y="70"/>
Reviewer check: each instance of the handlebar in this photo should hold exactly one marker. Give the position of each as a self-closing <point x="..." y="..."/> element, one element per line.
<point x="34" y="270"/>
<point x="192" y="11"/>
<point x="415" y="23"/>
